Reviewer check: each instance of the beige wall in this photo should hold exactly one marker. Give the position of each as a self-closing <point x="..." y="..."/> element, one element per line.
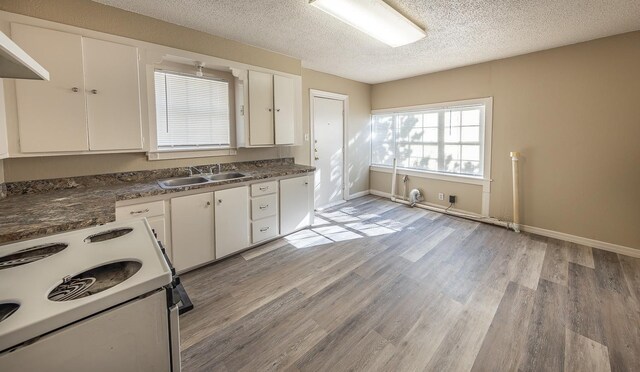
<point x="574" y="113"/>
<point x="468" y="197"/>
<point x="357" y="122"/>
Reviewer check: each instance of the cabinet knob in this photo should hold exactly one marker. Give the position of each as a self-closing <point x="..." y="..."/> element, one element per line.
<point x="306" y="183"/>
<point x="264" y="206"/>
<point x="269" y="110"/>
<point x="278" y="110"/>
<point x="208" y="204"/>
<point x="75" y="89"/>
<point x="264" y="229"/>
<point x="219" y="201"/>
<point x="94" y="91"/>
<point x="317" y="158"/>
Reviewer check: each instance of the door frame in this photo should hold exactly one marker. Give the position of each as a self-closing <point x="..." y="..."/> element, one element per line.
<point x="314" y="93"/>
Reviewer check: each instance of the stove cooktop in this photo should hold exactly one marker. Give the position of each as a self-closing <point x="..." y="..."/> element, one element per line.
<point x="50" y="282"/>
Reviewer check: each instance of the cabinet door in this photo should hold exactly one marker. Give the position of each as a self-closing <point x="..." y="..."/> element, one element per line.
<point x="113" y="95"/>
<point x="51" y="114"/>
<point x="295" y="204"/>
<point x="284" y="104"/>
<point x="260" y="108"/>
<point x="232" y="220"/>
<point x="192" y="230"/>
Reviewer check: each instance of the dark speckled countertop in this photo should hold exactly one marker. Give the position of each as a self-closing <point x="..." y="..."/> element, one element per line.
<point x="39" y="208"/>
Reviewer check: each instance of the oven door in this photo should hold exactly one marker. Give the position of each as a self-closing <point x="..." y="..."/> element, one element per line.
<point x="133" y="336"/>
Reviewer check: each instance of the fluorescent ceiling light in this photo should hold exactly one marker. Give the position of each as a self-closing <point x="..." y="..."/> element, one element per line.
<point x="375" y="18"/>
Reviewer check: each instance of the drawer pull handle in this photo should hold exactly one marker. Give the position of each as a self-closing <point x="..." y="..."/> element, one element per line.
<point x="146" y="210"/>
<point x="264" y="188"/>
<point x="263" y="207"/>
<point x="264" y="229"/>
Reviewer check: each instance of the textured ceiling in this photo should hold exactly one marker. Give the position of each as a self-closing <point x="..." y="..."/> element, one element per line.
<point x="458" y="33"/>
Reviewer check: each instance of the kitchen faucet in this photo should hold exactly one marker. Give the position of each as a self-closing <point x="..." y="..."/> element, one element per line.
<point x="217" y="168"/>
<point x="191" y="169"/>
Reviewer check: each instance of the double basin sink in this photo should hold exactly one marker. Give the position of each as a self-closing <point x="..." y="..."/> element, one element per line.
<point x="172" y="183"/>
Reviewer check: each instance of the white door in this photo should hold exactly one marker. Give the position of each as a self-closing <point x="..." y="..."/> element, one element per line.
<point x="328" y="122"/>
<point x="260" y="108"/>
<point x="284" y="104"/>
<point x="232" y="220"/>
<point x="192" y="230"/>
<point x="51" y="114"/>
<point x="295" y="204"/>
<point x="113" y="95"/>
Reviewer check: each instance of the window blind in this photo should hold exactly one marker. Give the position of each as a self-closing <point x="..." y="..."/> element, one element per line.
<point x="191" y="111"/>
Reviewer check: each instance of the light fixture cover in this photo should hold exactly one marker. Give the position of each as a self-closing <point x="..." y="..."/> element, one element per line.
<point x="375" y="18"/>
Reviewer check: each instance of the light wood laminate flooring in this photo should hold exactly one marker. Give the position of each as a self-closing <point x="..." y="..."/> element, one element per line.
<point x="379" y="286"/>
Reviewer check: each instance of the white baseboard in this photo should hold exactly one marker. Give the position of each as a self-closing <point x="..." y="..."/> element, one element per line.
<point x="628" y="251"/>
<point x="380" y="193"/>
<point x="621" y="249"/>
<point x="358" y="194"/>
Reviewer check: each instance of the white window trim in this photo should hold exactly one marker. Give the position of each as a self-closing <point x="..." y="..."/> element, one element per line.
<point x="165" y="153"/>
<point x="485" y="180"/>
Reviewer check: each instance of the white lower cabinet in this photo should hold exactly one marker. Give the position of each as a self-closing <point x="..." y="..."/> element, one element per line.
<point x="296" y="195"/>
<point x="232" y="220"/>
<point x="154" y="212"/>
<point x="192" y="221"/>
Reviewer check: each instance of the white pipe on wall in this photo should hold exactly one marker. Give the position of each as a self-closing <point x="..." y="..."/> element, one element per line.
<point x="515" y="156"/>
<point x="393" y="179"/>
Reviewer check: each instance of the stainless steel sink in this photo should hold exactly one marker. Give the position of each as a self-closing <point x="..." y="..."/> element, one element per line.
<point x="225" y="176"/>
<point x="172" y="183"/>
<point x="182" y="182"/>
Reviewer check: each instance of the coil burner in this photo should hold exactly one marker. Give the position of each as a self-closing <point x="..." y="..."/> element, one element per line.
<point x="108" y="235"/>
<point x="94" y="281"/>
<point x="29" y="255"/>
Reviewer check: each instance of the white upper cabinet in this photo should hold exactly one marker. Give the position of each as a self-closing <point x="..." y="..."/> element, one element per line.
<point x="284" y="105"/>
<point x="113" y="95"/>
<point x="269" y="109"/>
<point x="51" y="114"/>
<point x="261" y="109"/>
<point x="91" y="103"/>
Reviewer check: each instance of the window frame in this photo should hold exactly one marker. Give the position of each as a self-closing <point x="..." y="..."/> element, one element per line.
<point x="485" y="141"/>
<point x="163" y="153"/>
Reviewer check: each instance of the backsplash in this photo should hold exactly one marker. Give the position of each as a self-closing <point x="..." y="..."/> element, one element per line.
<point x="37" y="186"/>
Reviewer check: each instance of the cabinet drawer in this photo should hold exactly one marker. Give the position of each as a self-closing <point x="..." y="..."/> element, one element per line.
<point x="264" y="206"/>
<point x="140" y="210"/>
<point x="264" y="188"/>
<point x="264" y="229"/>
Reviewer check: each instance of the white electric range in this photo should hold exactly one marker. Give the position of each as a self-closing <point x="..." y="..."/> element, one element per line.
<point x="97" y="298"/>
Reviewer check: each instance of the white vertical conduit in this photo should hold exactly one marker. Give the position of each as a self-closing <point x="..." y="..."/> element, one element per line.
<point x="515" y="156"/>
<point x="393" y="179"/>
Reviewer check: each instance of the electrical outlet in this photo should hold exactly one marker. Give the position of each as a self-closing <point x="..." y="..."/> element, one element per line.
<point x="452" y="199"/>
<point x="441" y="196"/>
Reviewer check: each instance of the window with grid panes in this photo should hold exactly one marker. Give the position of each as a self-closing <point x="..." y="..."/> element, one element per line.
<point x="445" y="140"/>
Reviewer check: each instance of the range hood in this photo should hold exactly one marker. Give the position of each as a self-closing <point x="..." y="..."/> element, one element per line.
<point x="15" y="63"/>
